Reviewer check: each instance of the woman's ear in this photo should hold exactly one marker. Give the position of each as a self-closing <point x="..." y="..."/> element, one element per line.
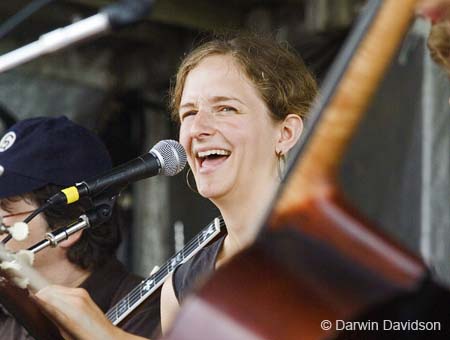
<point x="290" y="130"/>
<point x="71" y="240"/>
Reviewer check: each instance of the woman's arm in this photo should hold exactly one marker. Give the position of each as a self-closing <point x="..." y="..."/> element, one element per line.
<point x="169" y="305"/>
<point x="77" y="316"/>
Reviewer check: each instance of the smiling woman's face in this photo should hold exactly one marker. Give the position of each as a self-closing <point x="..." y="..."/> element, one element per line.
<point x="226" y="129"/>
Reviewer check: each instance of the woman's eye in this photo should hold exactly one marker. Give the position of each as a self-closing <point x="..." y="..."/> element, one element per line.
<point x="187" y="114"/>
<point x="227" y="109"/>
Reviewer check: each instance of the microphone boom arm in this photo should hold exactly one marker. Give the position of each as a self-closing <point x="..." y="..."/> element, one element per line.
<point x="113" y="16"/>
<point x="55" y="40"/>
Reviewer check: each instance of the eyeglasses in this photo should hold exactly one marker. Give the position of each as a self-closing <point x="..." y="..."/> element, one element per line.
<point x="16" y="214"/>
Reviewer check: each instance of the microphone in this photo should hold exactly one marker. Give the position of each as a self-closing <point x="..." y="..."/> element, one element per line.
<point x="166" y="158"/>
<point x="111" y="17"/>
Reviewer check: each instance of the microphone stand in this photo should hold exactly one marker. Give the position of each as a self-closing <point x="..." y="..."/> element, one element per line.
<point x="99" y="214"/>
<point x="112" y="17"/>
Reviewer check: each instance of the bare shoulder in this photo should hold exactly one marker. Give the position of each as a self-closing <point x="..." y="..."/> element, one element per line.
<point x="169" y="305"/>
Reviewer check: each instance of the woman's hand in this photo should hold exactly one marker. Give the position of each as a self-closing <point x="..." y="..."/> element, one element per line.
<point x="76" y="315"/>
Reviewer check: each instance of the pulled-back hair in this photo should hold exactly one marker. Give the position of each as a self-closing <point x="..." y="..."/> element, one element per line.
<point x="95" y="246"/>
<point x="439" y="44"/>
<point x="276" y="70"/>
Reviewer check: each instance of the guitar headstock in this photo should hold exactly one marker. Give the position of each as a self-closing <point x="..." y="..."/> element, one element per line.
<point x="14" y="268"/>
<point x="17" y="269"/>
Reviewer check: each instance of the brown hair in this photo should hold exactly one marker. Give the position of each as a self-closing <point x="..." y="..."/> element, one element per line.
<point x="95" y="246"/>
<point x="277" y="71"/>
<point x="439" y="44"/>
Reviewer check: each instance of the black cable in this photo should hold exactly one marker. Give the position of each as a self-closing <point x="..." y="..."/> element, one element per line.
<point x="7" y="26"/>
<point x="6" y="239"/>
<point x="36" y="212"/>
<point x="29" y="218"/>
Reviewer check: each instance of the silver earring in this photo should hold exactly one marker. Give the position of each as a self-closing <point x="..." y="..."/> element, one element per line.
<point x="281" y="162"/>
<point x="194" y="190"/>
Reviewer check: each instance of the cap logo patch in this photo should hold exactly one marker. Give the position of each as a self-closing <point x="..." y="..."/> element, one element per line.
<point x="7" y="141"/>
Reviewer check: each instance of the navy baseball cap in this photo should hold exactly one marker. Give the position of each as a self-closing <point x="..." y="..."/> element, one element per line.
<point x="40" y="151"/>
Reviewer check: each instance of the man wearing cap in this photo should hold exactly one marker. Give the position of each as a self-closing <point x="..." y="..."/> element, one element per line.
<point x="38" y="157"/>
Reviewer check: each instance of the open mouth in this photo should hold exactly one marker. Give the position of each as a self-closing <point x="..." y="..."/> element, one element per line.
<point x="210" y="159"/>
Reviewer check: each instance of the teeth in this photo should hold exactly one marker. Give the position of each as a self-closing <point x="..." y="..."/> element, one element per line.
<point x="213" y="152"/>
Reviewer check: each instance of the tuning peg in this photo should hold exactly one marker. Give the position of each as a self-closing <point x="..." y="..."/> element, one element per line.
<point x="19" y="231"/>
<point x="25" y="256"/>
<point x="13" y="269"/>
<point x="15" y="265"/>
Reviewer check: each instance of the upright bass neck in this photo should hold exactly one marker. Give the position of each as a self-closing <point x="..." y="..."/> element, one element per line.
<point x="312" y="184"/>
<point x="341" y="107"/>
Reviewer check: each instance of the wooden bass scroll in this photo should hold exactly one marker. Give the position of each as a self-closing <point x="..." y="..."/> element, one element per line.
<point x="316" y="259"/>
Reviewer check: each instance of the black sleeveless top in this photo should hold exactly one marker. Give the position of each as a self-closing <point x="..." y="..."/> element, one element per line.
<point x="196" y="270"/>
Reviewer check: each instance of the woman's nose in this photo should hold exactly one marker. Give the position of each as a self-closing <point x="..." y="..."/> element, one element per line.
<point x="203" y="124"/>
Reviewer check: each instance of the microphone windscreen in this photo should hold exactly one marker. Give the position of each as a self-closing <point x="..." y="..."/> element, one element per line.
<point x="173" y="156"/>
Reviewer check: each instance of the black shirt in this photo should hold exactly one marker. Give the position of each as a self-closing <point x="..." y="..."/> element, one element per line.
<point x="196" y="270"/>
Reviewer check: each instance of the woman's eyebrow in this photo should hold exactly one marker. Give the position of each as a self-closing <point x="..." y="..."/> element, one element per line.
<point x="212" y="100"/>
<point x="187" y="105"/>
<point x="216" y="99"/>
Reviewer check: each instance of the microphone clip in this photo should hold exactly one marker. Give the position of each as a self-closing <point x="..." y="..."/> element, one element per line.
<point x="127" y="12"/>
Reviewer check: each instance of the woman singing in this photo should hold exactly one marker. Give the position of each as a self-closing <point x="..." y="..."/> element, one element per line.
<point x="239" y="103"/>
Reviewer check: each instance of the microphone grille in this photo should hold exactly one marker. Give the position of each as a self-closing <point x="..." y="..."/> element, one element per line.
<point x="173" y="156"/>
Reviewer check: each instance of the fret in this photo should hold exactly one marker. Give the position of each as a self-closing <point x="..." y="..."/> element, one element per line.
<point x="169" y="268"/>
<point x="133" y="299"/>
<point x="144" y="290"/>
<point x="122" y="307"/>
